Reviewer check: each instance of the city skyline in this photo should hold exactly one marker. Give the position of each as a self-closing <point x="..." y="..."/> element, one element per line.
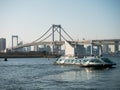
<point x="89" y="19"/>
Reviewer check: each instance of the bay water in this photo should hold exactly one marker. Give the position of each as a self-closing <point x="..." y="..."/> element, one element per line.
<point x="42" y="74"/>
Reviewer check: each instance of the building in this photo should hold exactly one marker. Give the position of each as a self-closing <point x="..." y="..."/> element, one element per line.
<point x="2" y="44"/>
<point x="20" y="49"/>
<point x="44" y="48"/>
<point x="28" y="49"/>
<point x="88" y="50"/>
<point x="80" y="50"/>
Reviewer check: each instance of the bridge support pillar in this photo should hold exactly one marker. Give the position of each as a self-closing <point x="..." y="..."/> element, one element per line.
<point x="100" y="50"/>
<point x="116" y="46"/>
<point x="36" y="48"/>
<point x="14" y="36"/>
<point x="58" y="29"/>
<point x="91" y="49"/>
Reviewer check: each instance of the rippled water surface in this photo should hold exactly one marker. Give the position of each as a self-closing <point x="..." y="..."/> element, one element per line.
<point x="42" y="74"/>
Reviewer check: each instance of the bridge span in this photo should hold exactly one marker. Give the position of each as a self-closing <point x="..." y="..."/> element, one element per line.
<point x="115" y="42"/>
<point x="60" y="42"/>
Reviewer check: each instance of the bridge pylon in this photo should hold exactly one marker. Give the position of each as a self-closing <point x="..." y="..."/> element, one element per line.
<point x="54" y="28"/>
<point x="16" y="37"/>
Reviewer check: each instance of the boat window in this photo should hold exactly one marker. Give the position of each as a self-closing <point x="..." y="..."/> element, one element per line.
<point x="93" y="60"/>
<point x="79" y="60"/>
<point x="59" y="59"/>
<point x="96" y="61"/>
<point x="85" y="60"/>
<point x="75" y="61"/>
<point x="68" y="60"/>
<point x="106" y="60"/>
<point x="71" y="60"/>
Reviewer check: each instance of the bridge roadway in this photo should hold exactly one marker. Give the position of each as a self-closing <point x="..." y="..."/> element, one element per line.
<point x="107" y="41"/>
<point x="39" y="43"/>
<point x="83" y="42"/>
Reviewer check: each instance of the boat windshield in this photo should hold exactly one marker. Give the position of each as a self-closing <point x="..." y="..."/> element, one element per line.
<point x="95" y="60"/>
<point x="106" y="60"/>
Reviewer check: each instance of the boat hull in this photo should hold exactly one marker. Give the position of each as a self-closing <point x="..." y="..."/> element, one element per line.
<point x="101" y="65"/>
<point x="81" y="65"/>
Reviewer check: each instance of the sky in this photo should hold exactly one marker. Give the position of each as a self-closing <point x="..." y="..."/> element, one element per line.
<point x="89" y="19"/>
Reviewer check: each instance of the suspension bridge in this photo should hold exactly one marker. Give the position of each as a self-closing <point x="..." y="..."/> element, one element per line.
<point x="50" y="33"/>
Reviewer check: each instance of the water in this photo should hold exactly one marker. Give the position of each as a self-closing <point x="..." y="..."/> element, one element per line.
<point x="42" y="74"/>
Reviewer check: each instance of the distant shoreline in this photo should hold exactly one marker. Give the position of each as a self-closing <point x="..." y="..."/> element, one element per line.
<point x="27" y="55"/>
<point x="40" y="55"/>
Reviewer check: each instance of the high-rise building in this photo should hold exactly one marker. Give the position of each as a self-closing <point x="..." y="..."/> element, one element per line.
<point x="2" y="44"/>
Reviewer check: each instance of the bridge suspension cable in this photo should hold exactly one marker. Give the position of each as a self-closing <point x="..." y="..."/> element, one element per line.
<point x="62" y="36"/>
<point x="43" y="35"/>
<point x="54" y="28"/>
<point x="48" y="35"/>
<point x="67" y="34"/>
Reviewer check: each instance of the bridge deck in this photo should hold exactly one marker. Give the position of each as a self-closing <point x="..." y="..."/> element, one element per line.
<point x="96" y="42"/>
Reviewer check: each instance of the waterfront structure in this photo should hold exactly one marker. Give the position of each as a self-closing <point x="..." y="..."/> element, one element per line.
<point x="74" y="49"/>
<point x="88" y="50"/>
<point x="16" y="37"/>
<point x="106" y="48"/>
<point x="20" y="49"/>
<point x="116" y="47"/>
<point x="114" y="42"/>
<point x="28" y="49"/>
<point x="42" y="48"/>
<point x="36" y="47"/>
<point x="80" y="50"/>
<point x="2" y="44"/>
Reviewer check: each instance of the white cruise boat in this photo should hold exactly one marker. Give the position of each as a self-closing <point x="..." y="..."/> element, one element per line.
<point x="85" y="62"/>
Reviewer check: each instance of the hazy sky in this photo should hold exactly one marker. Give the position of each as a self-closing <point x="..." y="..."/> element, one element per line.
<point x="89" y="19"/>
